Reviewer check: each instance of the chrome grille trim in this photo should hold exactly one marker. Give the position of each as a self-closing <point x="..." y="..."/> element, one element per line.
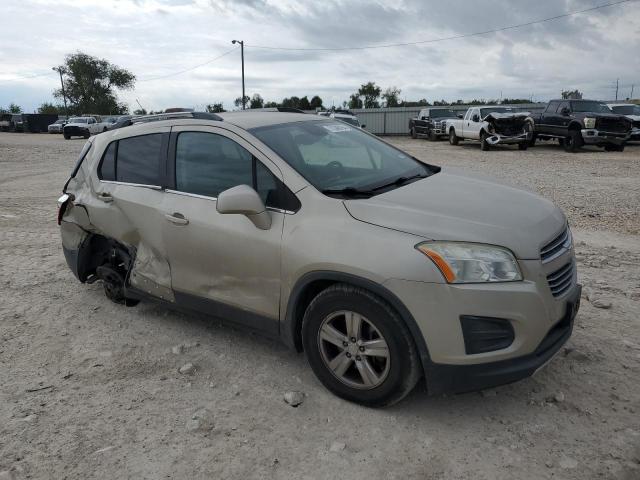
<point x="557" y="246"/>
<point x="561" y="280"/>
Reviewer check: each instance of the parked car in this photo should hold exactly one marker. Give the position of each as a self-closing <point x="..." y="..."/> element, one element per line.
<point x="383" y="269"/>
<point x="431" y="122"/>
<point x="632" y="112"/>
<point x="16" y="123"/>
<point x="578" y="122"/>
<point x="56" y="127"/>
<point x="5" y="122"/>
<point x="83" y="127"/>
<point x="347" y="117"/>
<point x="121" y="121"/>
<point x="492" y="125"/>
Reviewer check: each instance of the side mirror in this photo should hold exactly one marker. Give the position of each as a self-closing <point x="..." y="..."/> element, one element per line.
<point x="460" y="115"/>
<point x="244" y="200"/>
<point x="475" y="118"/>
<point x="565" y="111"/>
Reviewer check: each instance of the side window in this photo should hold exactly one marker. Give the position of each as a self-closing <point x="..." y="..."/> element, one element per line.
<point x="552" y="107"/>
<point x="138" y="159"/>
<point x="563" y="105"/>
<point x="273" y="192"/>
<point x="107" y="170"/>
<point x="467" y="115"/>
<point x="207" y="164"/>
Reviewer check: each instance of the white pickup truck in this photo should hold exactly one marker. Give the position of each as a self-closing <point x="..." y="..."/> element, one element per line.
<point x="492" y="125"/>
<point x="84" y="127"/>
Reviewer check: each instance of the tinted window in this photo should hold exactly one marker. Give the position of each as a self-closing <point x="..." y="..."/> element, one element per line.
<point x="107" y="169"/>
<point x="138" y="159"/>
<point x="552" y="107"/>
<point x="207" y="164"/>
<point x="563" y="105"/>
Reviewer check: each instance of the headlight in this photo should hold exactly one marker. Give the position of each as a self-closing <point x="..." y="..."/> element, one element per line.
<point x="589" y="122"/>
<point x="472" y="262"/>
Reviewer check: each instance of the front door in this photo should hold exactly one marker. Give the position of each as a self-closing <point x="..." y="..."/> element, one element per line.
<point x="221" y="263"/>
<point x="472" y="127"/>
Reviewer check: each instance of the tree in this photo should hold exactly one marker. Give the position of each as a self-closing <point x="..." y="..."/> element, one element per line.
<point x="355" y="101"/>
<point x="293" y="102"/>
<point x="90" y="84"/>
<point x="271" y="105"/>
<point x="48" y="107"/>
<point x="215" y="108"/>
<point x="140" y="111"/>
<point x="238" y="101"/>
<point x="420" y="103"/>
<point x="572" y="94"/>
<point x="390" y="96"/>
<point x="256" y="101"/>
<point x="316" y="102"/>
<point x="371" y="92"/>
<point x="440" y="103"/>
<point x="304" y="104"/>
<point x="14" y="108"/>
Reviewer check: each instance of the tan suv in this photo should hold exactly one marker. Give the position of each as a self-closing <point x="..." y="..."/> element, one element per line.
<point x="383" y="269"/>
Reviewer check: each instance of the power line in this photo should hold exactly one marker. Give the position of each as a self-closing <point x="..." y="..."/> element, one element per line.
<point x="190" y="68"/>
<point x="435" y="40"/>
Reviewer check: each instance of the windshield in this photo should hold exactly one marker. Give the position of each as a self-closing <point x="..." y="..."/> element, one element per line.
<point x="486" y="111"/>
<point x="78" y="120"/>
<point x="335" y="156"/>
<point x="349" y="120"/>
<point x="595" y="107"/>
<point x="58" y="122"/>
<point x="627" y="109"/>
<point x="442" y="113"/>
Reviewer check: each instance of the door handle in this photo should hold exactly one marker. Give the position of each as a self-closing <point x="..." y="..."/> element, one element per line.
<point x="105" y="197"/>
<point x="176" y="218"/>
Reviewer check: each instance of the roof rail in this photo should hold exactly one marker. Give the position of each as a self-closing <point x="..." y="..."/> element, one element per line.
<point x="175" y="115"/>
<point x="275" y="109"/>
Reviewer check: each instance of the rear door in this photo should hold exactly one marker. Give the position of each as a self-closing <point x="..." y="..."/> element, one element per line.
<point x="222" y="263"/>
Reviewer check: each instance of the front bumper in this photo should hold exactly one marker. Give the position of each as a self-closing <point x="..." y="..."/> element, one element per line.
<point x="592" y="136"/>
<point x="76" y="131"/>
<point x="54" y="130"/>
<point x="635" y="134"/>
<point x="498" y="139"/>
<point x="466" y="378"/>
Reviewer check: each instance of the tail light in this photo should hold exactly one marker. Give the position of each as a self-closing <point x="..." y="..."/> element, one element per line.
<point x="63" y="201"/>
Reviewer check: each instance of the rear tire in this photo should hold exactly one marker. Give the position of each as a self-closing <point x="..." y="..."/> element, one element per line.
<point x="414" y="135"/>
<point x="453" y="138"/>
<point x="484" y="145"/>
<point x="614" y="148"/>
<point x="377" y="375"/>
<point x="573" y="142"/>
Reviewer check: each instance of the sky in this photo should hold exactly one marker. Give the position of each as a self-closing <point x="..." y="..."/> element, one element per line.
<point x="158" y="39"/>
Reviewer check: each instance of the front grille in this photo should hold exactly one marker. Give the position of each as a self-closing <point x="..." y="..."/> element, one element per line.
<point x="616" y="125"/>
<point x="556" y="247"/>
<point x="560" y="281"/>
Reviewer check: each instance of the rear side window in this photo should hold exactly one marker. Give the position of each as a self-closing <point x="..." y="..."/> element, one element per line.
<point x="133" y="160"/>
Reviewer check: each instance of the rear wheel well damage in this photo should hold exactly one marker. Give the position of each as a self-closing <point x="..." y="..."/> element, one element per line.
<point x="311" y="284"/>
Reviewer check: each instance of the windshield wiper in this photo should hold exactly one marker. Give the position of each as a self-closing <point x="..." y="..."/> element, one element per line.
<point x="348" y="192"/>
<point x="400" y="181"/>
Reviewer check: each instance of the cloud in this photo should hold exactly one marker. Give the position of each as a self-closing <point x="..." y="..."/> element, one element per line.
<point x="159" y="37"/>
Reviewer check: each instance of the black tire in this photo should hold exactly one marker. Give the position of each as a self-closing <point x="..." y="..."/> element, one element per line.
<point x="432" y="136"/>
<point x="614" y="148"/>
<point x="561" y="142"/>
<point x="104" y="129"/>
<point x="403" y="370"/>
<point x="573" y="142"/>
<point x="413" y="133"/>
<point x="523" y="145"/>
<point x="453" y="138"/>
<point x="532" y="140"/>
<point x="113" y="283"/>
<point x="87" y="134"/>
<point x="484" y="145"/>
<point x="67" y="137"/>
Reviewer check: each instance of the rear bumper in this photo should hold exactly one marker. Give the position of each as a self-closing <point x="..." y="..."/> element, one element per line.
<point x="443" y="378"/>
<point x="592" y="136"/>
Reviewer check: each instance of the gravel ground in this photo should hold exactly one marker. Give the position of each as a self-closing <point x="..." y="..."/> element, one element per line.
<point x="92" y="390"/>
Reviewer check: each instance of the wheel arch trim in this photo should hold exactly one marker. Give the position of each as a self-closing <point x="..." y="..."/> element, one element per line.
<point x="291" y="326"/>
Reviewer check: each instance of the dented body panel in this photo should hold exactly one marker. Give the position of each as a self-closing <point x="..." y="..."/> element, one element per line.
<point x="495" y="128"/>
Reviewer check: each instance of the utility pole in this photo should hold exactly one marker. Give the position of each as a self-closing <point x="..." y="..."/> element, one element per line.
<point x="64" y="96"/>
<point x="617" y="80"/>
<point x="631" y="95"/>
<point x="241" y="42"/>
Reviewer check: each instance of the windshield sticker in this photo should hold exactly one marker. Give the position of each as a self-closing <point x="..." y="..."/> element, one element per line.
<point x="337" y="128"/>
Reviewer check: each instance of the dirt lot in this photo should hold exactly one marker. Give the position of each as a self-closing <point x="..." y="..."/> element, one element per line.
<point x="91" y="389"/>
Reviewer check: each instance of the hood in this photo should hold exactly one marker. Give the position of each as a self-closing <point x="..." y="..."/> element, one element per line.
<point x="452" y="206"/>
<point x="506" y="116"/>
<point x="633" y="118"/>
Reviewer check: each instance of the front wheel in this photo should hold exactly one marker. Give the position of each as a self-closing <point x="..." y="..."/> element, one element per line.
<point x="432" y="136"/>
<point x="414" y="134"/>
<point x="453" y="138"/>
<point x="67" y="137"/>
<point x="573" y="141"/>
<point x="523" y="145"/>
<point x="614" y="148"/>
<point x="358" y="347"/>
<point x="484" y="145"/>
<point x="87" y="134"/>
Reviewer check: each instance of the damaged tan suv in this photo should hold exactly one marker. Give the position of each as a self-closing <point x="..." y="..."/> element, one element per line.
<point x="382" y="268"/>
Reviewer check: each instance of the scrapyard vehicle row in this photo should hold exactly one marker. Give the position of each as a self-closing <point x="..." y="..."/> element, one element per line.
<point x="573" y="123"/>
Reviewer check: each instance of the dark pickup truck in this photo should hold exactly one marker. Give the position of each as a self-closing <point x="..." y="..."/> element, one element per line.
<point x="431" y="122"/>
<point x="581" y="122"/>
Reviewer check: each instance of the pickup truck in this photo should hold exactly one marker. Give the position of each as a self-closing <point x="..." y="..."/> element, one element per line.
<point x="84" y="127"/>
<point x="492" y="125"/>
<point x="578" y="122"/>
<point x="632" y="112"/>
<point x="431" y="122"/>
